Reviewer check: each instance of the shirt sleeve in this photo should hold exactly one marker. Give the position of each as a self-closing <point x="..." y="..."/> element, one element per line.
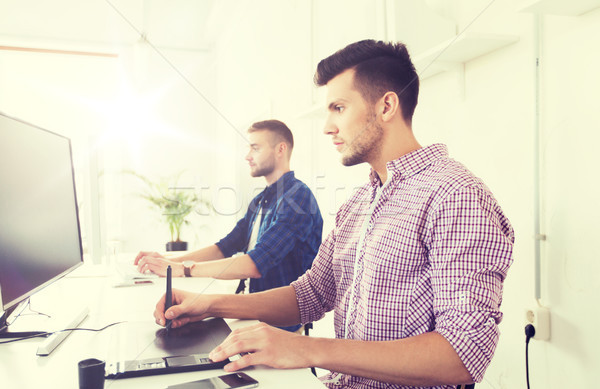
<point x="470" y="253"/>
<point x="293" y="223"/>
<point x="315" y="289"/>
<point x="237" y="240"/>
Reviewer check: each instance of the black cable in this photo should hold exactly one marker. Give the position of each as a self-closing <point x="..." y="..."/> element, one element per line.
<point x="529" y="333"/>
<point x="46" y="334"/>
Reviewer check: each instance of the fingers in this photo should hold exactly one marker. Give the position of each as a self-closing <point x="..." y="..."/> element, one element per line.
<point x="239" y="341"/>
<point x="262" y="344"/>
<point x="157" y="266"/>
<point x="141" y="263"/>
<point x="243" y="362"/>
<point x="138" y="257"/>
<point x="187" y="308"/>
<point x="153" y="264"/>
<point x="252" y="354"/>
<point x="173" y="313"/>
<point x="143" y="254"/>
<point x="159" y="311"/>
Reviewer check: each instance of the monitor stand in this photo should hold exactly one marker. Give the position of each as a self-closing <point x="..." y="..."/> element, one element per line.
<point x="70" y="318"/>
<point x="5" y="333"/>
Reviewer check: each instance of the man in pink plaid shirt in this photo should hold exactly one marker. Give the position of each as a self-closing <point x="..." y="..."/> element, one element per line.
<point x="413" y="268"/>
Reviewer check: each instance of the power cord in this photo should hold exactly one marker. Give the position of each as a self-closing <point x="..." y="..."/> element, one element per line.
<point x="46" y="334"/>
<point x="529" y="333"/>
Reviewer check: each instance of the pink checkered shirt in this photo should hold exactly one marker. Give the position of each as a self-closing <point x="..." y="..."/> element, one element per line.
<point x="435" y="253"/>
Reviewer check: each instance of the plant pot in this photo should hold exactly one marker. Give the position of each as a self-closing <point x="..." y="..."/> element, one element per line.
<point x="177" y="246"/>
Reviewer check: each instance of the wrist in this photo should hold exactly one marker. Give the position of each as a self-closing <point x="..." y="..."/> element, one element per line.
<point x="316" y="351"/>
<point x="177" y="270"/>
<point x="214" y="305"/>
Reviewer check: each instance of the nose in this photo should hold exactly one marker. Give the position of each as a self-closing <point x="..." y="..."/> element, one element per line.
<point x="248" y="157"/>
<point x="330" y="128"/>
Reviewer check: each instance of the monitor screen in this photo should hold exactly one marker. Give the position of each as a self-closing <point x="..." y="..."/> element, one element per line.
<point x="40" y="237"/>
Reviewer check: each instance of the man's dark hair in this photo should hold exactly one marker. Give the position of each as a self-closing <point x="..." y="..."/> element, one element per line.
<point x="379" y="67"/>
<point x="279" y="129"/>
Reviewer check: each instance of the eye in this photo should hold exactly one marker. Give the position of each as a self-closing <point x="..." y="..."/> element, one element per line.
<point x="339" y="108"/>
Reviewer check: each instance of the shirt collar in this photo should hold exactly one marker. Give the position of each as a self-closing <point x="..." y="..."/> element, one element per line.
<point x="280" y="183"/>
<point x="411" y="163"/>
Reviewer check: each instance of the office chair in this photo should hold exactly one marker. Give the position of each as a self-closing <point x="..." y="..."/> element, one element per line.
<point x="307" y="327"/>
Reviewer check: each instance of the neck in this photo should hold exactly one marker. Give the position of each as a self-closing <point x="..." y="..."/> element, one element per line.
<point x="396" y="143"/>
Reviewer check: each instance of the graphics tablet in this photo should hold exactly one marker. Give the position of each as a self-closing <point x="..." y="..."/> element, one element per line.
<point x="164" y="352"/>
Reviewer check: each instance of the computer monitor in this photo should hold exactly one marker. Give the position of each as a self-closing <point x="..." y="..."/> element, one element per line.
<point x="40" y="237"/>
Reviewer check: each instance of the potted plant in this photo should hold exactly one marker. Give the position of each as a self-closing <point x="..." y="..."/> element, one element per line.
<point x="175" y="204"/>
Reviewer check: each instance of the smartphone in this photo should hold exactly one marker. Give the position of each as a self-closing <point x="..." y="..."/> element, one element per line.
<point x="228" y="381"/>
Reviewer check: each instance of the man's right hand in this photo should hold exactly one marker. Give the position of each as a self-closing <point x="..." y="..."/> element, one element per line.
<point x="143" y="254"/>
<point x="187" y="307"/>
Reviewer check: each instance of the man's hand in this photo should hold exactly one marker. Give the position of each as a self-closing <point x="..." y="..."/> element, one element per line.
<point x="187" y="307"/>
<point x="158" y="265"/>
<point x="266" y="345"/>
<point x="143" y="254"/>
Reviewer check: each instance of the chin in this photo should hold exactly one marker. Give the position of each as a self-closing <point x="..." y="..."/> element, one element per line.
<point x="351" y="160"/>
<point x="257" y="173"/>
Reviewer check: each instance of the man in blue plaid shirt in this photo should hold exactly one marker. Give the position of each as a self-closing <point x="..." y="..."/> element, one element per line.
<point x="280" y="233"/>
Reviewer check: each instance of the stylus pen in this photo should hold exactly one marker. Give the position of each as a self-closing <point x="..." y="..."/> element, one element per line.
<point x="168" y="297"/>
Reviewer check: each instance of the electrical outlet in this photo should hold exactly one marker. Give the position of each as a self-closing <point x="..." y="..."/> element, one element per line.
<point x="539" y="317"/>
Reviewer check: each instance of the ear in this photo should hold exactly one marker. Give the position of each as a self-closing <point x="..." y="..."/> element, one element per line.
<point x="282" y="148"/>
<point x="390" y="106"/>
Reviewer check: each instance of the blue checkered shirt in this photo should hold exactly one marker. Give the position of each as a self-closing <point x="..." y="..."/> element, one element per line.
<point x="289" y="235"/>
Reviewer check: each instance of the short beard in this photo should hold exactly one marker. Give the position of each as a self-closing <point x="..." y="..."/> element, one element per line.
<point x="263" y="171"/>
<point x="366" y="143"/>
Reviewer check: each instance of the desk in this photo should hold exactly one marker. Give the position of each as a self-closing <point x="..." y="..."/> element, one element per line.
<point x="21" y="368"/>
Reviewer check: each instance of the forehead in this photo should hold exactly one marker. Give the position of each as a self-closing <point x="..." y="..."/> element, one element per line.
<point x="341" y="87"/>
<point x="260" y="137"/>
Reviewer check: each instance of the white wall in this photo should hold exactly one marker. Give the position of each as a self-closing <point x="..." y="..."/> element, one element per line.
<point x="491" y="131"/>
<point x="260" y="66"/>
<point x="571" y="124"/>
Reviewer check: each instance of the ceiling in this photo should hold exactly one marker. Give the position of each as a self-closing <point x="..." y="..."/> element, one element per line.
<point x="178" y="24"/>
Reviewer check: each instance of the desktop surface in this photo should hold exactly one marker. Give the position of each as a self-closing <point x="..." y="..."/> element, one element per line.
<point x="20" y="367"/>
